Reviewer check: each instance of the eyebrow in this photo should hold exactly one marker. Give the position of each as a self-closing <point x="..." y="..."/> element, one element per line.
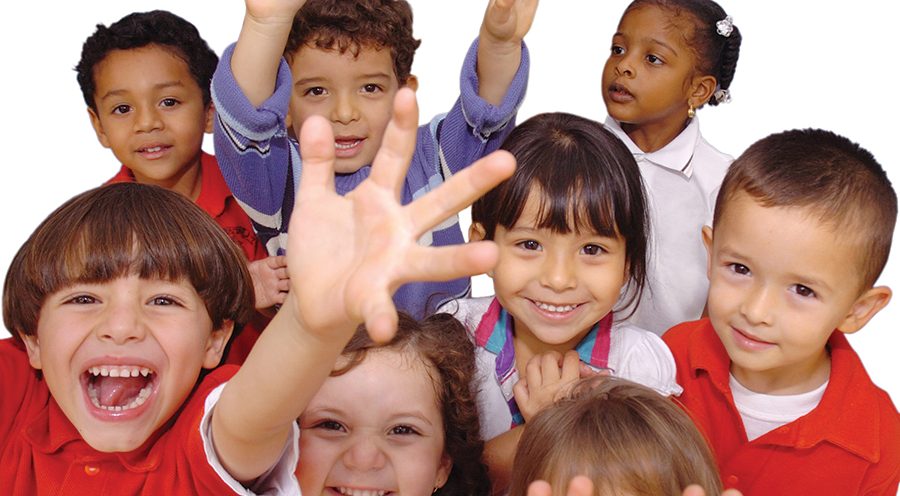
<point x="160" y="86"/>
<point x="312" y="80"/>
<point x="653" y="41"/>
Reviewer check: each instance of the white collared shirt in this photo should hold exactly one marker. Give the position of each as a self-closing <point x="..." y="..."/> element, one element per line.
<point x="682" y="180"/>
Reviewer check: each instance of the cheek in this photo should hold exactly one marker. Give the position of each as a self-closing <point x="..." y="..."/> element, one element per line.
<point x="316" y="460"/>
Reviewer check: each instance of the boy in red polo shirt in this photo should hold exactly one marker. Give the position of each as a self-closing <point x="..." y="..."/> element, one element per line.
<point x="801" y="231"/>
<point x="145" y="80"/>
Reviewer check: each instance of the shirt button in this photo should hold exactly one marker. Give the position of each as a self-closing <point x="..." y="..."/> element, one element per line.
<point x="91" y="470"/>
<point x="731" y="481"/>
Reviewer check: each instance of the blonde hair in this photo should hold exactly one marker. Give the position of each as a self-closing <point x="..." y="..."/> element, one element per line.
<point x="623" y="436"/>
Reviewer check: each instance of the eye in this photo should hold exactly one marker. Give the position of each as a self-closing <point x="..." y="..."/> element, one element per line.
<point x="740" y="269"/>
<point x="803" y="291"/>
<point x="617" y="50"/>
<point x="169" y="102"/>
<point x="371" y="88"/>
<point x="592" y="250"/>
<point x="82" y="300"/>
<point x="329" y="425"/>
<point x="529" y="244"/>
<point x="315" y="91"/>
<point x="121" y="109"/>
<point x="163" y="301"/>
<point x="653" y="59"/>
<point x="403" y="430"/>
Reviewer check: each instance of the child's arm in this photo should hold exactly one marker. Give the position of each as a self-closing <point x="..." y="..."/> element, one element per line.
<point x="346" y="256"/>
<point x="500" y="45"/>
<point x="267" y="24"/>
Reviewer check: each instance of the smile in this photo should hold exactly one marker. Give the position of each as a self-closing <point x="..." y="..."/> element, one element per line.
<point x="118" y="388"/>
<point x="361" y="492"/>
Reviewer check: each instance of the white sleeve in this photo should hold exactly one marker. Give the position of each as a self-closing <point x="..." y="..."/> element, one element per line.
<point x="279" y="480"/>
<point x="642" y="356"/>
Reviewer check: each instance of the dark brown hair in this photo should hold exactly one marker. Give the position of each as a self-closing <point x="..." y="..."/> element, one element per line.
<point x="121" y="229"/>
<point x="716" y="55"/>
<point x="587" y="180"/>
<point x="351" y="26"/>
<point x="623" y="436"/>
<point x="444" y="347"/>
<point x="833" y="177"/>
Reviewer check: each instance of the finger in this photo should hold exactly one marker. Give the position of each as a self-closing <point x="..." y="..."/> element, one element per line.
<point x="317" y="149"/>
<point x="693" y="490"/>
<point x="282" y="274"/>
<point x="550" y="367"/>
<point x="380" y="316"/>
<point x="520" y="392"/>
<point x="460" y="190"/>
<point x="443" y="263"/>
<point x="277" y="262"/>
<point x="533" y="372"/>
<point x="392" y="160"/>
<point x="580" y="486"/>
<point x="571" y="366"/>
<point x="279" y="298"/>
<point x="283" y="285"/>
<point x="540" y="488"/>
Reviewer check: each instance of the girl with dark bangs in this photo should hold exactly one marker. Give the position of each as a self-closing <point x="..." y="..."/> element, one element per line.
<point x="571" y="227"/>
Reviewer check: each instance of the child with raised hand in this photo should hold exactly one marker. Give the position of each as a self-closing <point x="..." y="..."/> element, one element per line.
<point x="345" y="60"/>
<point x="572" y="231"/>
<point x="418" y="433"/>
<point x="145" y="79"/>
<point x="626" y="438"/>
<point x="668" y="59"/>
<point x="802" y="229"/>
<point x="125" y="294"/>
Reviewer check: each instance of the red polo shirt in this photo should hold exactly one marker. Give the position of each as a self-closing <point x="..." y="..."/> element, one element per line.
<point x="216" y="199"/>
<point x="41" y="452"/>
<point x="849" y="444"/>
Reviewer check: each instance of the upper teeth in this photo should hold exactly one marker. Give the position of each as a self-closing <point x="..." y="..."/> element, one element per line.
<point x="344" y="146"/>
<point x="555" y="308"/>
<point x="361" y="492"/>
<point x="119" y="371"/>
<point x="154" y="149"/>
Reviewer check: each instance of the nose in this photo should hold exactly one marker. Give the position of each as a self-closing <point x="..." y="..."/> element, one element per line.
<point x="147" y="119"/>
<point x="624" y="66"/>
<point x="121" y="322"/>
<point x="346" y="109"/>
<point x="558" y="272"/>
<point x="364" y="453"/>
<point x="756" y="306"/>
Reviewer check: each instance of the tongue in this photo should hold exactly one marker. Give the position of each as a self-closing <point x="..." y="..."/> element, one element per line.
<point x="118" y="391"/>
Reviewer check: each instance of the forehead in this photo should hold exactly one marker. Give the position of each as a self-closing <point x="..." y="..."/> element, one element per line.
<point x="139" y="69"/>
<point x="310" y="61"/>
<point x="389" y="381"/>
<point x="788" y="240"/>
<point x="653" y="24"/>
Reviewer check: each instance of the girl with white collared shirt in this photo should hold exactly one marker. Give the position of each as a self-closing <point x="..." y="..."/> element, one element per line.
<point x="668" y="59"/>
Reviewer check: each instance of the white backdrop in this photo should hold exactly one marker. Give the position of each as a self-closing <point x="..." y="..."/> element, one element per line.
<point x="803" y="63"/>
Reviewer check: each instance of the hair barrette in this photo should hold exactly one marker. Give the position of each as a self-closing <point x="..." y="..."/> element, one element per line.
<point x="722" y="96"/>
<point x="725" y="26"/>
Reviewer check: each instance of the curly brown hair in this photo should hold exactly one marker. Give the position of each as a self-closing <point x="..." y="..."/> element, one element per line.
<point x="443" y="345"/>
<point x="350" y="26"/>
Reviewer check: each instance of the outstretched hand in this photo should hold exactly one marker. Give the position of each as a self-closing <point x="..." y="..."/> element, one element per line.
<point x="508" y="20"/>
<point x="348" y="254"/>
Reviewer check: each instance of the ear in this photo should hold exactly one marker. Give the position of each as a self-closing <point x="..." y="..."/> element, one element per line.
<point x="702" y="89"/>
<point x="33" y="348"/>
<point x="412" y="82"/>
<point x="210" y="118"/>
<point x="98" y="128"/>
<point x="476" y="232"/>
<point x="443" y="472"/>
<point x="215" y="344"/>
<point x="707" y="234"/>
<point x="864" y="308"/>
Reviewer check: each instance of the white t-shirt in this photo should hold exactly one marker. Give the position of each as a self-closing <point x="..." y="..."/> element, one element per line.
<point x="762" y="413"/>
<point x="682" y="180"/>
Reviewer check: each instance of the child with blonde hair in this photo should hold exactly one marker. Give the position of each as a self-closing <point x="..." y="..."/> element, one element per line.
<point x="669" y="58"/>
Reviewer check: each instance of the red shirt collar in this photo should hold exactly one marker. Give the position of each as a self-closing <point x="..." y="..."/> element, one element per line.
<point x="844" y="416"/>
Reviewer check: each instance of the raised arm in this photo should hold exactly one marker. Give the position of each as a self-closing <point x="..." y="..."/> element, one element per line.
<point x="500" y="45"/>
<point x="267" y="24"/>
<point x="346" y="257"/>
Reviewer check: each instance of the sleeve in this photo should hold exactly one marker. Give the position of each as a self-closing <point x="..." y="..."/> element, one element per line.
<point x="254" y="151"/>
<point x="18" y="378"/>
<point x="279" y="480"/>
<point x="644" y="358"/>
<point x="474" y="128"/>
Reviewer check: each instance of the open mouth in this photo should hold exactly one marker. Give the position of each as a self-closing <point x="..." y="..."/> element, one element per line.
<point x="548" y="307"/>
<point x="118" y="388"/>
<point x="347" y="491"/>
<point x="619" y="93"/>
